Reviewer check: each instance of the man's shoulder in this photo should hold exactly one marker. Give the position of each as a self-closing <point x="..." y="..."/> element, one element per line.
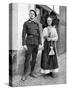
<point x="26" y="22"/>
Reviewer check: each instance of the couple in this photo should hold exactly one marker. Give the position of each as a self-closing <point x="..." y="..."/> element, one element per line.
<point x="33" y="41"/>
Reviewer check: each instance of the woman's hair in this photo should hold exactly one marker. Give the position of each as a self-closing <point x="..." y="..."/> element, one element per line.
<point x="55" y="20"/>
<point x="34" y="12"/>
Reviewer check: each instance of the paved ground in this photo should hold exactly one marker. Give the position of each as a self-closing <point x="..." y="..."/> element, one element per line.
<point x="61" y="79"/>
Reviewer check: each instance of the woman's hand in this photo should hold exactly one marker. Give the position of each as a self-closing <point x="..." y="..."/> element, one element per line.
<point x="49" y="39"/>
<point x="41" y="47"/>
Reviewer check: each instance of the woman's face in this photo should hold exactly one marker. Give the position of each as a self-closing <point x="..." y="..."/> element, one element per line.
<point x="49" y="21"/>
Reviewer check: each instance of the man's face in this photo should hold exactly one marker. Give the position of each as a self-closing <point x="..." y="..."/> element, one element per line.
<point x="31" y="15"/>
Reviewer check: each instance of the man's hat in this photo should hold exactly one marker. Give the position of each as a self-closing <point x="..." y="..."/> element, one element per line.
<point x="33" y="11"/>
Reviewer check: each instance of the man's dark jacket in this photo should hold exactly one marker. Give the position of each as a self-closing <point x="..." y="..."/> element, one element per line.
<point x="31" y="33"/>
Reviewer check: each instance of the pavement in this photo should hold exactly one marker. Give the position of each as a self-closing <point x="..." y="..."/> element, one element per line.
<point x="40" y="80"/>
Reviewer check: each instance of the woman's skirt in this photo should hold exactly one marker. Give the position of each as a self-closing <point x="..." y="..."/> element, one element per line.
<point x="49" y="63"/>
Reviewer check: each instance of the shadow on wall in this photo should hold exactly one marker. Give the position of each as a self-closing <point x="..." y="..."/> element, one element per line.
<point x="16" y="61"/>
<point x="18" y="58"/>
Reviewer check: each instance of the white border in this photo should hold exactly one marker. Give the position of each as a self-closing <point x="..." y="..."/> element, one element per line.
<point x="4" y="29"/>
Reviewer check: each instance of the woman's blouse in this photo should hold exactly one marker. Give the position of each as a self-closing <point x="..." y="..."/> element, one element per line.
<point x="51" y="32"/>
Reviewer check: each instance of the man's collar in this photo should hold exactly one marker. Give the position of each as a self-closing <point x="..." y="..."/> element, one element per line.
<point x="31" y="20"/>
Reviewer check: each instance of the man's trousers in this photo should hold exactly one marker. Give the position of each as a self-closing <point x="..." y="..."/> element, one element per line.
<point x="30" y="64"/>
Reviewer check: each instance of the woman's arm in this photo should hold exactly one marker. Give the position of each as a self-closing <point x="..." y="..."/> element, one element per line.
<point x="44" y="35"/>
<point x="55" y="35"/>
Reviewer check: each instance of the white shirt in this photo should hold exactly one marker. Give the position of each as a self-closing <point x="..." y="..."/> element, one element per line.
<point x="52" y="31"/>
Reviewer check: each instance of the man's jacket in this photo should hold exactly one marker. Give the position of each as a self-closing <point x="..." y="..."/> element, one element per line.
<point x="31" y="33"/>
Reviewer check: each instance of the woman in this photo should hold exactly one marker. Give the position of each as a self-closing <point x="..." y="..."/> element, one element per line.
<point x="49" y="64"/>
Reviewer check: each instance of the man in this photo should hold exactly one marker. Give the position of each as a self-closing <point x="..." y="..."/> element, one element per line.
<point x="31" y="43"/>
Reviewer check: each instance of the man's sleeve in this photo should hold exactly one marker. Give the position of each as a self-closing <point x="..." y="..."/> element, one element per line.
<point x="40" y="41"/>
<point x="24" y="34"/>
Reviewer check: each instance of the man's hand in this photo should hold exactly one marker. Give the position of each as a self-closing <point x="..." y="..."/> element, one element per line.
<point x="25" y="47"/>
<point x="41" y="47"/>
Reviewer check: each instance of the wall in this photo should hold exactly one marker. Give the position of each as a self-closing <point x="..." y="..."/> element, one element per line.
<point x="22" y="17"/>
<point x="14" y="26"/>
<point x="10" y="26"/>
<point x="62" y="30"/>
